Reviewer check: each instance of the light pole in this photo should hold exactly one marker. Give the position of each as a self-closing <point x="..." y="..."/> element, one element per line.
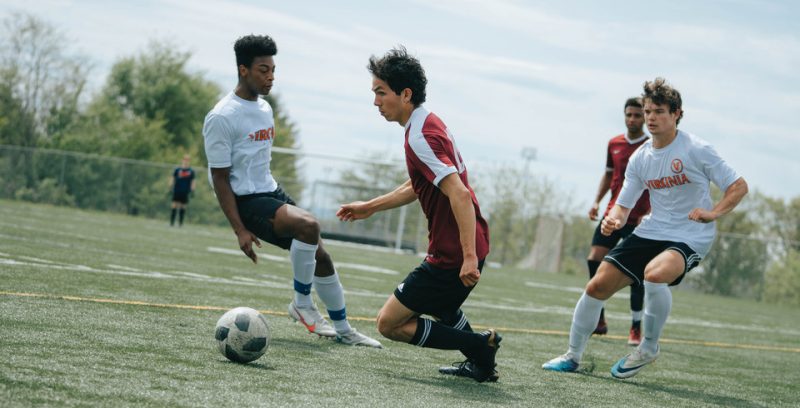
<point x="528" y="155"/>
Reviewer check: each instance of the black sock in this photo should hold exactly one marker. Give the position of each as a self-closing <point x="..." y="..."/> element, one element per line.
<point x="458" y="321"/>
<point x="180" y="216"/>
<point x="593" y="265"/>
<point x="637" y="297"/>
<point x="172" y="217"/>
<point x="436" y="335"/>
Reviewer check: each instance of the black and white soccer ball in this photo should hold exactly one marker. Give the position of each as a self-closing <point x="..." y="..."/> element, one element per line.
<point x="242" y="334"/>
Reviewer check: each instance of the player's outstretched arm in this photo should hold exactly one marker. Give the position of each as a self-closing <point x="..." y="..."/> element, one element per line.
<point x="359" y="210"/>
<point x="602" y="189"/>
<point x="464" y="213"/>
<point x="733" y="195"/>
<point x="227" y="201"/>
<point x="615" y="219"/>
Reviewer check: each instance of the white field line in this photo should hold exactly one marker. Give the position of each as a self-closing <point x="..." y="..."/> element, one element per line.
<point x="124" y="268"/>
<point x="227" y="251"/>
<point x="366" y="268"/>
<point x="573" y="289"/>
<point x="142" y="274"/>
<point x="558" y="310"/>
<point x="342" y="265"/>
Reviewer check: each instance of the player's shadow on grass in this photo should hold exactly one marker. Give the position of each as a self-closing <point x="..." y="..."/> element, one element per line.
<point x="464" y="388"/>
<point x="253" y="365"/>
<point x="695" y="396"/>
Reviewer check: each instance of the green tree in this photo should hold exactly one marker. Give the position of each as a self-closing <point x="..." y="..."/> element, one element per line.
<point x="512" y="200"/>
<point x="783" y="280"/>
<point x="41" y="83"/>
<point x="158" y="86"/>
<point x="43" y="76"/>
<point x="736" y="264"/>
<point x="285" y="167"/>
<point x="109" y="131"/>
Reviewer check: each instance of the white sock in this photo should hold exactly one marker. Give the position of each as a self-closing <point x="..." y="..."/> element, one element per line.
<point x="636" y="316"/>
<point x="657" y="305"/>
<point x="303" y="257"/>
<point x="584" y="320"/>
<point x="329" y="289"/>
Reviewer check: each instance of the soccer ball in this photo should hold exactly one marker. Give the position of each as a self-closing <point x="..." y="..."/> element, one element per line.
<point x="242" y="334"/>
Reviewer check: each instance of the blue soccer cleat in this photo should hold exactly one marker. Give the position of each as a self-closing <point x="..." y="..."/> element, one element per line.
<point x="631" y="364"/>
<point x="565" y="363"/>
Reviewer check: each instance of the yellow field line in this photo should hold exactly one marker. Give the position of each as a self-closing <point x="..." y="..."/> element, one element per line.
<point x="371" y="319"/>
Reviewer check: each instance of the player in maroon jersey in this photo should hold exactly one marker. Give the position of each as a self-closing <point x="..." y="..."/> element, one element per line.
<point x="620" y="149"/>
<point x="459" y="236"/>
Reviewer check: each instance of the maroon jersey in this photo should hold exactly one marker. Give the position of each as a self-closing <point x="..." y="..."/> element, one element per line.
<point x="620" y="150"/>
<point x="431" y="155"/>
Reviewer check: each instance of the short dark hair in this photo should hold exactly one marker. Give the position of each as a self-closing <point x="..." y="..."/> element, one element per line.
<point x="634" y="101"/>
<point x="660" y="92"/>
<point x="252" y="46"/>
<point x="400" y="71"/>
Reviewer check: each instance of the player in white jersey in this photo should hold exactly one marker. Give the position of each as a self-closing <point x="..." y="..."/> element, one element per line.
<point x="238" y="134"/>
<point x="676" y="168"/>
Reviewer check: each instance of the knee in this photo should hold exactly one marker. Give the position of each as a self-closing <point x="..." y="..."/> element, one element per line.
<point x="599" y="289"/>
<point x="385" y="327"/>
<point x="307" y="229"/>
<point x="595" y="290"/>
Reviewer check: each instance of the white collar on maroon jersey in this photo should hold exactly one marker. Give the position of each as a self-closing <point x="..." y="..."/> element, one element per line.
<point x="637" y="140"/>
<point x="418" y="113"/>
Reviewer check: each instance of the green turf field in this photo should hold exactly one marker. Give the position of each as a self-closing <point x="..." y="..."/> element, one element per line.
<point x="101" y="309"/>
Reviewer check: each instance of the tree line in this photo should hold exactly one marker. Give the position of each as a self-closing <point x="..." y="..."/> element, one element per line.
<point x="151" y="106"/>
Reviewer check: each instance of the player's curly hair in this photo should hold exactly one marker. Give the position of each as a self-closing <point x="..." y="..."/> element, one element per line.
<point x="660" y="92"/>
<point x="252" y="46"/>
<point x="400" y="71"/>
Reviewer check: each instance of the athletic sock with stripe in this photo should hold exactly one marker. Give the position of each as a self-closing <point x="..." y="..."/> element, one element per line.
<point x="303" y="257"/>
<point x="432" y="334"/>
<point x="329" y="289"/>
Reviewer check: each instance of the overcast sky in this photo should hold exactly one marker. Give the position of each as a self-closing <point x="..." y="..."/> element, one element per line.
<point x="503" y="75"/>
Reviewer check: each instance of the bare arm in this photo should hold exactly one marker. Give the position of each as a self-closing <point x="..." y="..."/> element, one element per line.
<point x="359" y="210"/>
<point x="464" y="213"/>
<point x="615" y="219"/>
<point x="227" y="201"/>
<point x="602" y="189"/>
<point x="733" y="195"/>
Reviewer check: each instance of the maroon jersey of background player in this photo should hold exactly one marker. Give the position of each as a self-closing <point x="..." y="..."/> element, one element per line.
<point x="619" y="151"/>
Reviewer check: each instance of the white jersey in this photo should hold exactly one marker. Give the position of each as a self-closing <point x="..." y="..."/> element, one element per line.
<point x="677" y="177"/>
<point x="238" y="134"/>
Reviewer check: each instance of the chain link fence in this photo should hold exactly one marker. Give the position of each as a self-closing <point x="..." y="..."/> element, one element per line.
<point x="141" y="188"/>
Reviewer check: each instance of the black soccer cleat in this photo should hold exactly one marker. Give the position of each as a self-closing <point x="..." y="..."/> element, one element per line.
<point x="469" y="369"/>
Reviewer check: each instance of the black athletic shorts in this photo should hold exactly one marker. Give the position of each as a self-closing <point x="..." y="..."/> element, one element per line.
<point x="612" y="240"/>
<point x="634" y="253"/>
<point x="180" y="196"/>
<point x="257" y="212"/>
<point x="433" y="291"/>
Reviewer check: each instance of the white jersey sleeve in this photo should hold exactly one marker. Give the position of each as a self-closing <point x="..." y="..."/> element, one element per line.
<point x="715" y="168"/>
<point x="634" y="185"/>
<point x="218" y="141"/>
